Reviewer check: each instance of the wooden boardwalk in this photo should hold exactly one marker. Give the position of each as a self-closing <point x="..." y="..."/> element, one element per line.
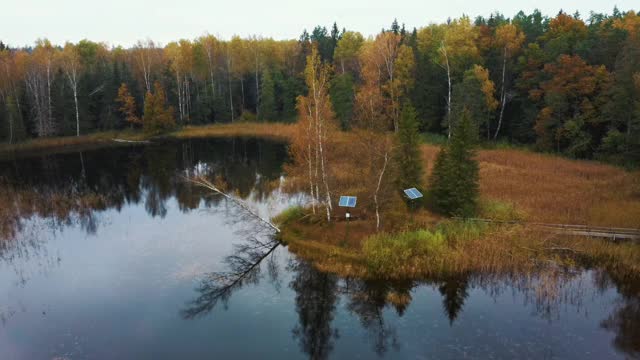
<point x="576" y="230"/>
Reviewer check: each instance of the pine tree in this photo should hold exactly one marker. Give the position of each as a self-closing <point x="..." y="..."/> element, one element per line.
<point x="342" y="96"/>
<point x="407" y="153"/>
<point x="455" y="176"/>
<point x="267" y="97"/>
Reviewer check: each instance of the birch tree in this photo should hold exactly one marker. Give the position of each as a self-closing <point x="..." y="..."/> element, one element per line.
<point x="312" y="144"/>
<point x="210" y="45"/>
<point x="255" y="44"/>
<point x="146" y="57"/>
<point x="38" y="79"/>
<point x="510" y="39"/>
<point x="180" y="55"/>
<point x="371" y="123"/>
<point x="71" y="66"/>
<point x="456" y="53"/>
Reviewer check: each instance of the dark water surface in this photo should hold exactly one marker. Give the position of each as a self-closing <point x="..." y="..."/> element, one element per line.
<point x="109" y="254"/>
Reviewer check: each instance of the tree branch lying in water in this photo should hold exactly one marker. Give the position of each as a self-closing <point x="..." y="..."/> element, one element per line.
<point x="202" y="182"/>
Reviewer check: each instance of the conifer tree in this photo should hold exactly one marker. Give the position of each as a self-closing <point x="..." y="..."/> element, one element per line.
<point x="342" y="92"/>
<point x="454" y="180"/>
<point x="267" y="97"/>
<point x="407" y="151"/>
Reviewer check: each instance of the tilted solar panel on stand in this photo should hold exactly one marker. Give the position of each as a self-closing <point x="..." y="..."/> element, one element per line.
<point x="413" y="193"/>
<point x="348" y="201"/>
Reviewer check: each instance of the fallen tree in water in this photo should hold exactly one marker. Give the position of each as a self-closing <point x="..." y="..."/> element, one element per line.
<point x="203" y="182"/>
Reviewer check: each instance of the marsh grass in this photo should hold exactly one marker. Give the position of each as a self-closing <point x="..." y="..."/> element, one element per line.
<point x="499" y="211"/>
<point x="277" y="131"/>
<point x="69" y="143"/>
<point x="392" y="254"/>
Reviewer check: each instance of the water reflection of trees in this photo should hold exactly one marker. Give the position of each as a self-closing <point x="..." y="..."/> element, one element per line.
<point x="316" y="299"/>
<point x="624" y="321"/>
<point x="317" y="295"/>
<point x="71" y="188"/>
<point x="242" y="266"/>
<point x="243" y="269"/>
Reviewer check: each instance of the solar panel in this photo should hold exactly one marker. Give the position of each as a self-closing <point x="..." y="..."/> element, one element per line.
<point x="352" y="201"/>
<point x="413" y="193"/>
<point x="348" y="201"/>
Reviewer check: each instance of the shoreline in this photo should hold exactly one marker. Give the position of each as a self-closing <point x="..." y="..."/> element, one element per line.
<point x="276" y="131"/>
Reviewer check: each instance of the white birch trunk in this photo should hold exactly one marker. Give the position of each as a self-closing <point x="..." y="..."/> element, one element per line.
<point x="229" y="82"/>
<point x="75" y="99"/>
<point x="179" y="86"/>
<point x="503" y="94"/>
<point x="375" y="195"/>
<point x="443" y="49"/>
<point x="50" y="111"/>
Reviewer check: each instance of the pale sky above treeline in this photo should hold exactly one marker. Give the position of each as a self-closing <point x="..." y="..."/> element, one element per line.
<point x="123" y="22"/>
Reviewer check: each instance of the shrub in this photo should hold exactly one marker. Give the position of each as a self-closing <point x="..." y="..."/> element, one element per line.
<point x="499" y="210"/>
<point x="289" y="215"/>
<point x="247" y="116"/>
<point x="386" y="252"/>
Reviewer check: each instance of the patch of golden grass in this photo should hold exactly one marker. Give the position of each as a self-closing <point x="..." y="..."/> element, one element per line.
<point x="266" y="130"/>
<point x="557" y="190"/>
<point x="277" y="131"/>
<point x="505" y="249"/>
<point x="72" y="143"/>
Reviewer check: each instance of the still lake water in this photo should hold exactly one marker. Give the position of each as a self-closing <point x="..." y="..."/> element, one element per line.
<point x="109" y="254"/>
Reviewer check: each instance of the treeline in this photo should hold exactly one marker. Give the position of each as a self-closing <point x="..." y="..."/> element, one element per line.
<point x="566" y="84"/>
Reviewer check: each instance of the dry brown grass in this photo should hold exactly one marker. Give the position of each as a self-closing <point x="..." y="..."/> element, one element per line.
<point x="277" y="131"/>
<point x="274" y="131"/>
<point x="506" y="250"/>
<point x="73" y="143"/>
<point x="558" y="190"/>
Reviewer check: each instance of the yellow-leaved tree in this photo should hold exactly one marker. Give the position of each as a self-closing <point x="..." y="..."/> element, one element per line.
<point x="313" y="138"/>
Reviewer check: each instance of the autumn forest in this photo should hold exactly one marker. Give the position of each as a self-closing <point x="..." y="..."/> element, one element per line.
<point x="567" y="84"/>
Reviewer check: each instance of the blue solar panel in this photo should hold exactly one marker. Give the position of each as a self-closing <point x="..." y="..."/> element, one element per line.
<point x="344" y="200"/>
<point x="413" y="193"/>
<point x="352" y="201"/>
<point x="347" y="201"/>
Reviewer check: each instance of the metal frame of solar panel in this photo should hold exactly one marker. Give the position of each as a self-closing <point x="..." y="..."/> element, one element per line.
<point x="348" y="201"/>
<point x="413" y="193"/>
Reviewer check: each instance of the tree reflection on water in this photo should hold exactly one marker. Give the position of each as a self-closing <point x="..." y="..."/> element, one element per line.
<point x="49" y="193"/>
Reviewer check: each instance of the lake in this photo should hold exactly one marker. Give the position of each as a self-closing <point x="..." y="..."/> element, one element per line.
<point x="111" y="254"/>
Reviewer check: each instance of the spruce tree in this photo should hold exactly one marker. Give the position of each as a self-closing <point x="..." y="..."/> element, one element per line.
<point x="407" y="153"/>
<point x="268" y="97"/>
<point x="454" y="180"/>
<point x="342" y="96"/>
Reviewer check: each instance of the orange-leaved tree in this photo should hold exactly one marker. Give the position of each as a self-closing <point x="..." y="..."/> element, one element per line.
<point x="127" y="105"/>
<point x="157" y="116"/>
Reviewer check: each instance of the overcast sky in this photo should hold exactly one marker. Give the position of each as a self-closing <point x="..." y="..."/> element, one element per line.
<point x="122" y="22"/>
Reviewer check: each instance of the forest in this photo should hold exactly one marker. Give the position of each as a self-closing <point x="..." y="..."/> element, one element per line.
<point x="567" y="84"/>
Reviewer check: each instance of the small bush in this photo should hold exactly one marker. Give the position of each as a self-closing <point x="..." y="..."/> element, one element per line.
<point x="289" y="215"/>
<point x="460" y="231"/>
<point x="386" y="252"/>
<point x="247" y="116"/>
<point x="501" y="211"/>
